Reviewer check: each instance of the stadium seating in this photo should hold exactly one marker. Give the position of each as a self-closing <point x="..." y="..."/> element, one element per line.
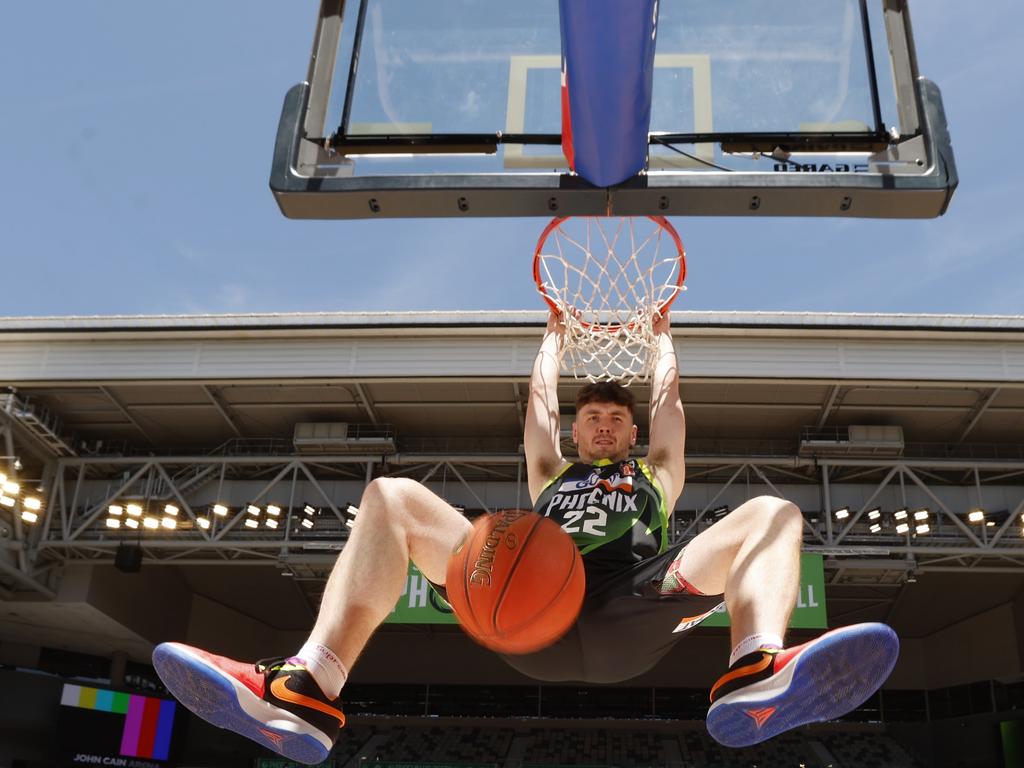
<point x="400" y="740"/>
<point x="879" y="751"/>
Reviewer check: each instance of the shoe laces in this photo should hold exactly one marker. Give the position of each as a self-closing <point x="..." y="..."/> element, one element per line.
<point x="270" y="664"/>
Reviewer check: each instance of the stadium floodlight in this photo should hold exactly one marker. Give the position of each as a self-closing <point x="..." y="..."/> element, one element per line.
<point x="874" y="514"/>
<point x="353" y="510"/>
<point x="271" y="522"/>
<point x="307" y="523"/>
<point x="113" y="522"/>
<point x="273" y="509"/>
<point x="204" y="523"/>
<point x="170" y="509"/>
<point x="220" y="510"/>
<point x="134" y="510"/>
<point x="842" y="513"/>
<point x="151" y="522"/>
<point x="991" y="523"/>
<point x="921" y="514"/>
<point x="28" y="516"/>
<point x="922" y="528"/>
<point x="900" y="514"/>
<point x="7" y="501"/>
<point x="131" y="522"/>
<point x="10" y="488"/>
<point x="976" y="515"/>
<point x="876" y="528"/>
<point x="252" y="509"/>
<point x="309" y="510"/>
<point x="902" y="528"/>
<point x="252" y="523"/>
<point x="31" y="502"/>
<point x="115" y="510"/>
<point x="169" y="522"/>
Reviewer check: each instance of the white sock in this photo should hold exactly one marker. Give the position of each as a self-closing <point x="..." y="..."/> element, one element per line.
<point x="325" y="667"/>
<point x="754" y="643"/>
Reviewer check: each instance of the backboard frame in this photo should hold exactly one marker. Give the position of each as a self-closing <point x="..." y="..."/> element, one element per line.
<point x="312" y="177"/>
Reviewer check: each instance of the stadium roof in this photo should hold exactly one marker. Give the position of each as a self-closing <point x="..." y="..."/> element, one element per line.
<point x="506" y="318"/>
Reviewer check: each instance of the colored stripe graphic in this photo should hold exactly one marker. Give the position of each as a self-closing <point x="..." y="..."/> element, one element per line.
<point x="104" y="700"/>
<point x="148" y="723"/>
<point x="120" y="703"/>
<point x="132" y="726"/>
<point x="87" y="699"/>
<point x="147" y="734"/>
<point x="70" y="695"/>
<point x="165" y="724"/>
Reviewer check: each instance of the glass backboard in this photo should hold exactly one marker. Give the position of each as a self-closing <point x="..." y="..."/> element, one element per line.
<point x="452" y="108"/>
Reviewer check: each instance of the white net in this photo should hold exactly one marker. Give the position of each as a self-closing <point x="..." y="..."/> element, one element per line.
<point x="608" y="278"/>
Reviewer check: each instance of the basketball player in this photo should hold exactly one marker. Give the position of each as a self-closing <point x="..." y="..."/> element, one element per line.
<point x="639" y="588"/>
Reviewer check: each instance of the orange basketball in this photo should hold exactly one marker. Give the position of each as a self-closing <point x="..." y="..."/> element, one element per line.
<point x="516" y="583"/>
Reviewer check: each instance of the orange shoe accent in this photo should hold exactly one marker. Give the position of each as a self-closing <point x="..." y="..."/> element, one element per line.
<point x="750" y="669"/>
<point x="760" y="716"/>
<point x="279" y="689"/>
<point x="275" y="738"/>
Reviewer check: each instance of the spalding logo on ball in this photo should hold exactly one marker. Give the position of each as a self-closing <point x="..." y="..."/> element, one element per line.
<point x="516" y="583"/>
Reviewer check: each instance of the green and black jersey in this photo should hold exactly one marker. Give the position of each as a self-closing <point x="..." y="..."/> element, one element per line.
<point x="614" y="511"/>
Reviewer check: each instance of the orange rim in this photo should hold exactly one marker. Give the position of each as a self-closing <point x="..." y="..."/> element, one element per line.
<point x="661" y="221"/>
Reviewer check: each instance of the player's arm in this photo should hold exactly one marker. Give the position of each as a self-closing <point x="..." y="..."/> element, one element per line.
<point x="666" y="455"/>
<point x="541" y="432"/>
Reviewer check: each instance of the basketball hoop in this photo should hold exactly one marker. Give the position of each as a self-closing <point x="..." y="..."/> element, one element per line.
<point x="609" y="279"/>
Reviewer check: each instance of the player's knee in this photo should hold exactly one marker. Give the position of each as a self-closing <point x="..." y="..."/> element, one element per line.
<point x="779" y="513"/>
<point x="383" y="498"/>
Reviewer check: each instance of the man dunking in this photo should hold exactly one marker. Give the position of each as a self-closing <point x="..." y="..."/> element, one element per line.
<point x="638" y="587"/>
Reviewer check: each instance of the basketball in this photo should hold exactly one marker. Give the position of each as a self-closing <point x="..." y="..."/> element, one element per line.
<point x="516" y="583"/>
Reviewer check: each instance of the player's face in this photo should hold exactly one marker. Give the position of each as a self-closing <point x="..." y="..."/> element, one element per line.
<point x="604" y="431"/>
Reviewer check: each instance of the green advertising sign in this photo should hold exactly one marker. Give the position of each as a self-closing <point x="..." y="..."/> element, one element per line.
<point x="810" y="600"/>
<point x="419" y="604"/>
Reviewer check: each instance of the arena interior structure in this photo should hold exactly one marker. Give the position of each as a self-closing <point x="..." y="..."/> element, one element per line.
<point x="192" y="478"/>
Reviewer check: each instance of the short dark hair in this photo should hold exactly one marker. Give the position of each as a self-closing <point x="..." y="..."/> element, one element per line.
<point x="606" y="392"/>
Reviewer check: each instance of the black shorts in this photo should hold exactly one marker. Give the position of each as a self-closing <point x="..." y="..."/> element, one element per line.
<point x="624" y="628"/>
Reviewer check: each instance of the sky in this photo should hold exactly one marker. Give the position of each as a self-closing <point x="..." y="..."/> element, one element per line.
<point x="136" y="140"/>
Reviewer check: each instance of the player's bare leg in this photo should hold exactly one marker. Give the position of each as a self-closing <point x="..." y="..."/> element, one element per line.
<point x="291" y="704"/>
<point x="753" y="555"/>
<point x="399" y="520"/>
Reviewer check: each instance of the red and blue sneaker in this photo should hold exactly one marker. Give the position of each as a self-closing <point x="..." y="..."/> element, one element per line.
<point x="771" y="691"/>
<point x="275" y="702"/>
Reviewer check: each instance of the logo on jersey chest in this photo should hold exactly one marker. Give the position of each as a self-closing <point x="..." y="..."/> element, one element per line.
<point x="617" y="481"/>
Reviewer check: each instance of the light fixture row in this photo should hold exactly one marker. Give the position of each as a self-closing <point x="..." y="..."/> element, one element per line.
<point x="902" y="518"/>
<point x="132" y="515"/>
<point x="10" y="490"/>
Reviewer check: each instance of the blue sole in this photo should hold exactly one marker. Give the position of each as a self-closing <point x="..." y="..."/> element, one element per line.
<point x="211" y="697"/>
<point x="833" y="677"/>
